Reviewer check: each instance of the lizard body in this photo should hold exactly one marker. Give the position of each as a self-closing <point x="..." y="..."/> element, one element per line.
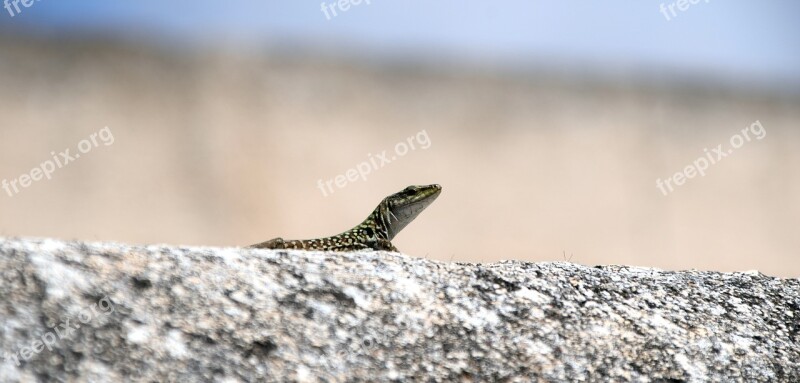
<point x="376" y="232"/>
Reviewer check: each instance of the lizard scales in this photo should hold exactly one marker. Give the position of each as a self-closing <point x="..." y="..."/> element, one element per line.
<point x="393" y="214"/>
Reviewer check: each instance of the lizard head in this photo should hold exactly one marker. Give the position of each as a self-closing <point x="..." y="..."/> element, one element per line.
<point x="400" y="208"/>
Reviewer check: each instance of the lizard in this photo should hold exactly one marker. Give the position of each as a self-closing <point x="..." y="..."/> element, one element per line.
<point x="393" y="214"/>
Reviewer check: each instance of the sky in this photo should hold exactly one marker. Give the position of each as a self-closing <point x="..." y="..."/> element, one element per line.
<point x="737" y="40"/>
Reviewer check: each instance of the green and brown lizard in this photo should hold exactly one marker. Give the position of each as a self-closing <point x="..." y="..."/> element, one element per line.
<point x="376" y="232"/>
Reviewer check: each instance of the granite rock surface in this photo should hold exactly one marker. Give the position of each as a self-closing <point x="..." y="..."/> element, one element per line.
<point x="95" y="312"/>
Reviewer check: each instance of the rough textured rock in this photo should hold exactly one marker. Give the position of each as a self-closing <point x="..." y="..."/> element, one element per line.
<point x="74" y="311"/>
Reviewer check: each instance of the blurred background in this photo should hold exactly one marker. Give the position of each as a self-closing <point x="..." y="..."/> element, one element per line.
<point x="548" y="125"/>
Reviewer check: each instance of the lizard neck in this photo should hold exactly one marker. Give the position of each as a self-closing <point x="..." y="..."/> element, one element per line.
<point x="380" y="222"/>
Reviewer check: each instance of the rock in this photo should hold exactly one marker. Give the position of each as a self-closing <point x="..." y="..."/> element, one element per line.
<point x="75" y="311"/>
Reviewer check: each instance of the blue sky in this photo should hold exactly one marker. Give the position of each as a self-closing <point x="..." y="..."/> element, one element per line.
<point x="737" y="40"/>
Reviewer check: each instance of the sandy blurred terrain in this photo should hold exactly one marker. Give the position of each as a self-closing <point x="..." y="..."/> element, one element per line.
<point x="227" y="149"/>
